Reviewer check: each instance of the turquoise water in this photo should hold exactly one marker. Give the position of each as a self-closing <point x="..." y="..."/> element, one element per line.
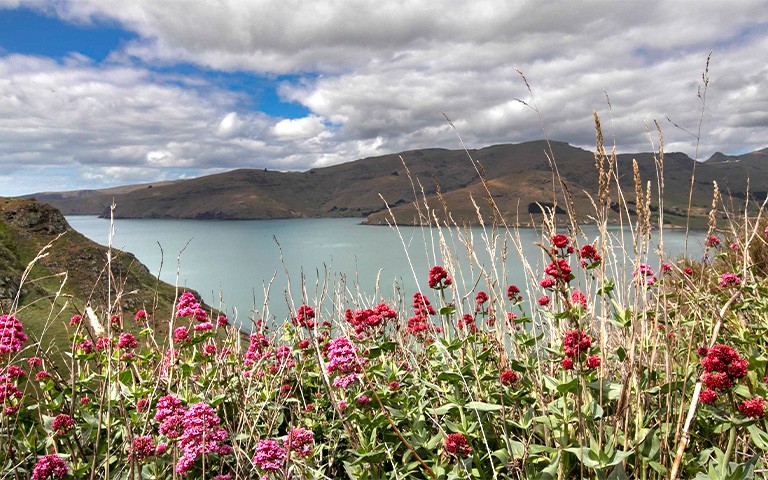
<point x="231" y="263"/>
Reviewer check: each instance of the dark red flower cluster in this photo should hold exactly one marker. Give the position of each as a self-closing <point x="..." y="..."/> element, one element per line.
<point x="753" y="408"/>
<point x="559" y="270"/>
<point x="723" y="366"/>
<point x="513" y="293"/>
<point x="708" y="396"/>
<point x="508" y="377"/>
<point x="62" y="424"/>
<point x="712" y="242"/>
<point x="257" y="349"/>
<point x="543" y="300"/>
<point x="438" y="278"/>
<point x="456" y="444"/>
<point x="143" y="447"/>
<point x="547" y="282"/>
<point x="304" y="317"/>
<point x="370" y="318"/>
<point x="575" y="343"/>
<point x="50" y="466"/>
<point x="589" y="256"/>
<point x="578" y="298"/>
<point x="468" y="321"/>
<point x="560" y="241"/>
<point x="592" y="361"/>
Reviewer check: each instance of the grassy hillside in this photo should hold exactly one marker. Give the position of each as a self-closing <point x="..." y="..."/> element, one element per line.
<point x="69" y="276"/>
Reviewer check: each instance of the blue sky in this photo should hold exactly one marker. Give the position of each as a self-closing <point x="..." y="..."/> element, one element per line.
<point x="95" y="93"/>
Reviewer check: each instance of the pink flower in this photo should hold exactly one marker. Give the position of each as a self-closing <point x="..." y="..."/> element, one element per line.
<point x="547" y="282"/>
<point x="438" y="278"/>
<point x="753" y="408"/>
<point x="50" y="466"/>
<point x="481" y="298"/>
<point x="269" y="456"/>
<point x="712" y="241"/>
<point x="567" y="363"/>
<point x="222" y="321"/>
<point x="9" y="398"/>
<point x="34" y="362"/>
<point x="729" y="280"/>
<point x="559" y="270"/>
<point x="12" y="336"/>
<point x="576" y="342"/>
<point x="140" y="316"/>
<point x="181" y="335"/>
<point x="394" y="386"/>
<point x="75" y="320"/>
<point x="203" y="327"/>
<point x="578" y="298"/>
<point x="513" y="293"/>
<point x="127" y="341"/>
<point x="201" y="435"/>
<point x="342" y="356"/>
<point x="688" y="271"/>
<point x="560" y="240"/>
<point x="543" y="300"/>
<point x="142" y="404"/>
<point x="363" y="400"/>
<point x="300" y="441"/>
<point x="170" y="414"/>
<point x="42" y="375"/>
<point x="456" y="444"/>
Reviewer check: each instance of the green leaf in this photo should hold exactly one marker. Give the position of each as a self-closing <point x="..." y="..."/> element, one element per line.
<point x="549" y="383"/>
<point x="587" y="457"/>
<point x="483" y="407"/>
<point x="448" y="310"/>
<point x="442" y="410"/>
<point x="571" y="386"/>
<point x="758" y="436"/>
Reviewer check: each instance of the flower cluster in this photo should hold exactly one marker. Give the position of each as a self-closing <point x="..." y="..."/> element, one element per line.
<point x="723" y="367"/>
<point x="729" y="280"/>
<point x="343" y="360"/>
<point x="560" y="241"/>
<point x="257" y="350"/>
<point x="304" y="317"/>
<point x="170" y="414"/>
<point x="712" y="242"/>
<point x="62" y="424"/>
<point x="50" y="466"/>
<point x="513" y="293"/>
<point x="269" y="456"/>
<point x="468" y="321"/>
<point x="142" y="447"/>
<point x="12" y="336"/>
<point x="10" y="397"/>
<point x="127" y="341"/>
<point x="456" y="444"/>
<point x="559" y="270"/>
<point x="419" y="324"/>
<point x="300" y="441"/>
<point x="753" y="408"/>
<point x="575" y="343"/>
<point x="202" y="435"/>
<point x="188" y="306"/>
<point x="438" y="278"/>
<point x="589" y="256"/>
<point x="645" y="275"/>
<point x="509" y="377"/>
<point x="370" y="318"/>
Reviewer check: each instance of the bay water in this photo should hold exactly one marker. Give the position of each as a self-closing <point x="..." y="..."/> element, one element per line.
<point x="245" y="266"/>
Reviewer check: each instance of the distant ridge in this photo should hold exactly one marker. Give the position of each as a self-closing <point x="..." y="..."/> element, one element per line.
<point x="518" y="175"/>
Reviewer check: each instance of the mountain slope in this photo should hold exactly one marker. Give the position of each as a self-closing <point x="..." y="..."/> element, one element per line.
<point x="519" y="176"/>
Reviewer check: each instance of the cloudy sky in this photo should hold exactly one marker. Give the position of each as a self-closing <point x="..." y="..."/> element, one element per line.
<point x="96" y="93"/>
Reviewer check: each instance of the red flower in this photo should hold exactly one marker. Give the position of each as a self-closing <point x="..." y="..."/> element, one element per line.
<point x="579" y="298"/>
<point x="456" y="444"/>
<point x="559" y="270"/>
<point x="547" y="282"/>
<point x="576" y="342"/>
<point x="438" y="278"/>
<point x="560" y="240"/>
<point x="513" y="293"/>
<point x="543" y="300"/>
<point x="481" y="298"/>
<point x="753" y="408"/>
<point x="508" y="377"/>
<point x="304" y="317"/>
<point x="593" y="361"/>
<point x="567" y="363"/>
<point x="708" y="396"/>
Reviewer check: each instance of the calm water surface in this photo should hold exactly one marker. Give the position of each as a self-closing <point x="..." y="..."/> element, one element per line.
<point x="231" y="263"/>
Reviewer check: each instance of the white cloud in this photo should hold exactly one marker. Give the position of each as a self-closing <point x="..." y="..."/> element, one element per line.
<point x="377" y="77"/>
<point x="298" y="128"/>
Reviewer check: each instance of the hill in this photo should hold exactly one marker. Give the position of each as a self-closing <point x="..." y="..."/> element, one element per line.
<point x="519" y="177"/>
<point x="71" y="275"/>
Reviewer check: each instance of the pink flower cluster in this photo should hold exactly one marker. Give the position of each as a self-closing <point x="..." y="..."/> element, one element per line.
<point x="201" y="435"/>
<point x="170" y="414"/>
<point x="269" y="456"/>
<point x="300" y="441"/>
<point x="343" y="360"/>
<point x="645" y="275"/>
<point x="560" y="241"/>
<point x="509" y="377"/>
<point x="575" y="343"/>
<point x="127" y="341"/>
<point x="589" y="256"/>
<point x="456" y="444"/>
<point x="257" y="350"/>
<point x="723" y="367"/>
<point x="12" y="336"/>
<point x="729" y="280"/>
<point x="712" y="242"/>
<point x="50" y="466"/>
<point x="419" y="324"/>
<point x="62" y="424"/>
<point x="438" y="278"/>
<point x="370" y="318"/>
<point x="188" y="306"/>
<point x="9" y="398"/>
<point x="513" y="293"/>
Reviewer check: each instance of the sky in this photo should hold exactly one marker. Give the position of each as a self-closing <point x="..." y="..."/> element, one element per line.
<point x="98" y="93"/>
